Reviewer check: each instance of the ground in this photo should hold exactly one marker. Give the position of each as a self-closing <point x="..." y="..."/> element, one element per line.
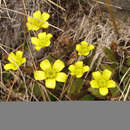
<point x="108" y="29"/>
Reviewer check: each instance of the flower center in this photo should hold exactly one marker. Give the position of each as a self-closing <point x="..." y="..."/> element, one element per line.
<point x="51" y="74"/>
<point x="79" y="71"/>
<point x="102" y="83"/>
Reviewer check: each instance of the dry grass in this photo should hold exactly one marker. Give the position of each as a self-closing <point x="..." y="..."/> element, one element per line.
<point x="71" y="22"/>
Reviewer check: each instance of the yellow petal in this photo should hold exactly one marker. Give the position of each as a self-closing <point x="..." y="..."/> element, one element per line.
<point x="23" y="60"/>
<point x="30" y="19"/>
<point x="12" y="57"/>
<point x="79" y="64"/>
<point x="79" y="75"/>
<point x="50" y="83"/>
<point x="31" y="26"/>
<point x="49" y="36"/>
<point x="86" y="68"/>
<point x="38" y="47"/>
<point x="97" y="75"/>
<point x="39" y="75"/>
<point x="45" y="25"/>
<point x="78" y="47"/>
<point x="35" y="40"/>
<point x="61" y="77"/>
<point x="47" y="43"/>
<point x="10" y="67"/>
<point x="84" y="43"/>
<point x="103" y="91"/>
<point x="45" y="16"/>
<point x="107" y="74"/>
<point x="45" y="65"/>
<point x="72" y="68"/>
<point x="19" y="54"/>
<point x="111" y="84"/>
<point x="85" y="53"/>
<point x="58" y="65"/>
<point x="91" y="47"/>
<point x="42" y="35"/>
<point x="37" y="14"/>
<point x="94" y="84"/>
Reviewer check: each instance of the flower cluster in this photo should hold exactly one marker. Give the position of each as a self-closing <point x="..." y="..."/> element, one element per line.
<point x="15" y="61"/>
<point x="102" y="81"/>
<point x="39" y="20"/>
<point x="42" y="41"/>
<point x="51" y="73"/>
<point x="84" y="48"/>
<point x="78" y="69"/>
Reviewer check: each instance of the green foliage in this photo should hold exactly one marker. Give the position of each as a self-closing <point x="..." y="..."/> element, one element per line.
<point x="87" y="98"/>
<point x="36" y="90"/>
<point x="7" y="76"/>
<point x="96" y="93"/>
<point x="110" y="55"/>
<point x="75" y="88"/>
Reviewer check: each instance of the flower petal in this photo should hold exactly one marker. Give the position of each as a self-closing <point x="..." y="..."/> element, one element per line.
<point x="30" y="19"/>
<point x="19" y="54"/>
<point x="61" y="77"/>
<point x="45" y="65"/>
<point x="42" y="35"/>
<point x="91" y="47"/>
<point x="85" y="53"/>
<point x="45" y="16"/>
<point x="38" y="48"/>
<point x="45" y="25"/>
<point x="58" y="65"/>
<point x="79" y="75"/>
<point x="84" y="43"/>
<point x="10" y="66"/>
<point x="71" y="68"/>
<point x="39" y="75"/>
<point x="103" y="91"/>
<point x="50" y="83"/>
<point x="97" y="75"/>
<point x="35" y="40"/>
<point x="107" y="74"/>
<point x="37" y="14"/>
<point x="32" y="27"/>
<point x="79" y="64"/>
<point x="111" y="84"/>
<point x="94" y="84"/>
<point x="86" y="68"/>
<point x="23" y="60"/>
<point x="49" y="36"/>
<point x="78" y="47"/>
<point x="12" y="57"/>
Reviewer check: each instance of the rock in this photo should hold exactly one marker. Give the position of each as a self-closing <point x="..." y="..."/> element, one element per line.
<point x="124" y="4"/>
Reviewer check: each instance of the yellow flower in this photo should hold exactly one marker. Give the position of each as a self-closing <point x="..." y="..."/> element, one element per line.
<point x="78" y="69"/>
<point x="15" y="61"/>
<point x="39" y="20"/>
<point x="42" y="41"/>
<point x="84" y="48"/>
<point x="102" y="81"/>
<point x="51" y="73"/>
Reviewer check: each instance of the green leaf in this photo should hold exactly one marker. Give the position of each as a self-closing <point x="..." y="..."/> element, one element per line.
<point x="128" y="62"/>
<point x="50" y="58"/>
<point x="76" y="87"/>
<point x="87" y="98"/>
<point x="36" y="90"/>
<point x="96" y="93"/>
<point x="7" y="76"/>
<point x="114" y="92"/>
<point x="110" y="54"/>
